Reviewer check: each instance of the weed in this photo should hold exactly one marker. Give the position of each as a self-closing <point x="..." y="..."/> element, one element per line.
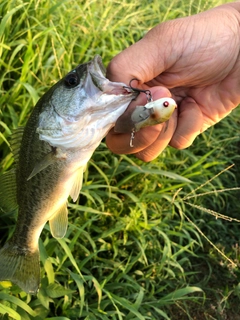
<point x="155" y="240"/>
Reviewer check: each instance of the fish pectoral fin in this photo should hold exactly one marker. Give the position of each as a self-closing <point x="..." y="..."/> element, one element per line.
<point x="59" y="222"/>
<point x="53" y="156"/>
<point x="77" y="184"/>
<point x="8" y="191"/>
<point x="44" y="163"/>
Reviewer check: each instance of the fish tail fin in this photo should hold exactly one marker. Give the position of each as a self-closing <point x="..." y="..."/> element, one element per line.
<point x="20" y="267"/>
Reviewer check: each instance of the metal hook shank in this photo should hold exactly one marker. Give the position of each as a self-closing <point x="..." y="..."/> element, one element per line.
<point x="147" y="92"/>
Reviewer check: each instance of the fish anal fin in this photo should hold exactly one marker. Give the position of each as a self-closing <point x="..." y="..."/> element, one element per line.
<point x="8" y="191"/>
<point x="77" y="184"/>
<point x="21" y="267"/>
<point x="59" y="222"/>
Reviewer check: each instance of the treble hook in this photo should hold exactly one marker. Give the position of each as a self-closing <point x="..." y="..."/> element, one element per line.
<point x="132" y="138"/>
<point x="147" y="92"/>
<point x="149" y="99"/>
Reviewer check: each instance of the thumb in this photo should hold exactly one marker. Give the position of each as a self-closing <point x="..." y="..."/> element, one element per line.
<point x="155" y="53"/>
<point x="140" y="61"/>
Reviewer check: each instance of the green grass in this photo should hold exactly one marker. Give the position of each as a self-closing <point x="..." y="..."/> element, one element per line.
<point x="145" y="240"/>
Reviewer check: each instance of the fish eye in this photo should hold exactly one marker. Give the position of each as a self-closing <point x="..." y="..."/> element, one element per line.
<point x="71" y="80"/>
<point x="165" y="104"/>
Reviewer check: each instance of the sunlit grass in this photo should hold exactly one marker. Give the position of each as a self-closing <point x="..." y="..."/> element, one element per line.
<point x="143" y="240"/>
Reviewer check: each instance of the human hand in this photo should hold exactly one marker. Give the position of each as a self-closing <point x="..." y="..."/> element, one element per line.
<point x="196" y="61"/>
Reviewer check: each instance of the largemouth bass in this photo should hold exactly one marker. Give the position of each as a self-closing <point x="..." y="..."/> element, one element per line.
<point x="51" y="153"/>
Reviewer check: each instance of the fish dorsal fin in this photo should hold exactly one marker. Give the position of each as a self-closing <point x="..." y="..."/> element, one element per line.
<point x="15" y="142"/>
<point x="77" y="183"/>
<point x="59" y="222"/>
<point x="8" y="191"/>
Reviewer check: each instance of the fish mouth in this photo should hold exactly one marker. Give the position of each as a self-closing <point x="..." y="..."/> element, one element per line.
<point x="98" y="65"/>
<point x="97" y="72"/>
<point x="78" y="118"/>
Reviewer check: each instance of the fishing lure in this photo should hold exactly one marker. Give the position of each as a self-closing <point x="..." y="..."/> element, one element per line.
<point x="154" y="112"/>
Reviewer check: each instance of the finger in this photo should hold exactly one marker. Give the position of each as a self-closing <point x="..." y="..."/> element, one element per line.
<point x="189" y="126"/>
<point x="120" y="143"/>
<point x="136" y="62"/>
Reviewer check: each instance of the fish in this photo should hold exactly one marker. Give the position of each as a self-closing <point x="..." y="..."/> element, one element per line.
<point x="51" y="153"/>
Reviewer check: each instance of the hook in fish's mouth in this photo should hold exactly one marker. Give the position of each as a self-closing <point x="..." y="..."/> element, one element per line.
<point x="97" y="72"/>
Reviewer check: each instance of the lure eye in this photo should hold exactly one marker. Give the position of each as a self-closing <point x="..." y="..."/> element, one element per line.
<point x="71" y="80"/>
<point x="165" y="104"/>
